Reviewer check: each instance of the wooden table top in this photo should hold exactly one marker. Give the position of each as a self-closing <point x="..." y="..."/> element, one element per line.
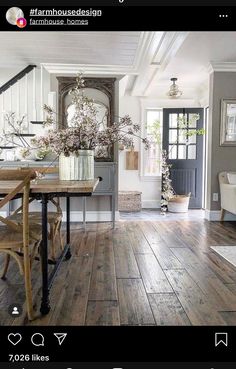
<point x="53" y="185"/>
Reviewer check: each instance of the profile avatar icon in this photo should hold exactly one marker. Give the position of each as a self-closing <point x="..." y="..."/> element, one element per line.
<point x="15" y="16"/>
<point x="15" y="311"/>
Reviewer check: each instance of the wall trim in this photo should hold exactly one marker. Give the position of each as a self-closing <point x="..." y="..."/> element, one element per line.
<point x="221" y="67"/>
<point x="65" y="69"/>
<point x="91" y="216"/>
<point x="214" y="216"/>
<point x="151" y="204"/>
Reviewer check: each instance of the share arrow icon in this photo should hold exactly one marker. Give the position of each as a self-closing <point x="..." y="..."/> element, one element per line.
<point x="60" y="337"/>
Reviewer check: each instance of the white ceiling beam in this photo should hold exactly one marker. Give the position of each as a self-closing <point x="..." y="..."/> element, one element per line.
<point x="160" y="49"/>
<point x="170" y="45"/>
<point x="145" y="40"/>
<point x="144" y="57"/>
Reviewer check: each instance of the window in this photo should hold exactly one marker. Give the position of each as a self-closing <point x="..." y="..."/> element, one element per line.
<point x="154" y="135"/>
<point x="182" y="137"/>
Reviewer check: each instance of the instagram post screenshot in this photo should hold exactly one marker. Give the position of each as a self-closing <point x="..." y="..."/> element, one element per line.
<point x="118" y="184"/>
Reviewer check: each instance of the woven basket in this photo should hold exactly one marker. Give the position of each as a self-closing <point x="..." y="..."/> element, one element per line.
<point x="179" y="203"/>
<point x="130" y="201"/>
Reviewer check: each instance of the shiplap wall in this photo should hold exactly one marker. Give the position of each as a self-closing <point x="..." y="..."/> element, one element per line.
<point x="27" y="96"/>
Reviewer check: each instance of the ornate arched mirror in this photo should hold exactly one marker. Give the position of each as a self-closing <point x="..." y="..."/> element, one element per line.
<point x="101" y="90"/>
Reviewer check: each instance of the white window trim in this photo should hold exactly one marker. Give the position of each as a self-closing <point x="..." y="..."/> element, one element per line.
<point x="146" y="105"/>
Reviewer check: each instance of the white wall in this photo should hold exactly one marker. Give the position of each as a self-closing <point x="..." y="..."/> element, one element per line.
<point x="7" y="73"/>
<point x="129" y="180"/>
<point x="19" y="97"/>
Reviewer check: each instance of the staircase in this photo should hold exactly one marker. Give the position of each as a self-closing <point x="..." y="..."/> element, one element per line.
<point x="25" y="94"/>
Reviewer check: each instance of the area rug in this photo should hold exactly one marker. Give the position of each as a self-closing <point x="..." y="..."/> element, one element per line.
<point x="226" y="252"/>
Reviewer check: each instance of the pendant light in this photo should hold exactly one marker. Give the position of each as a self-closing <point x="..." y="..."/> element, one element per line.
<point x="174" y="92"/>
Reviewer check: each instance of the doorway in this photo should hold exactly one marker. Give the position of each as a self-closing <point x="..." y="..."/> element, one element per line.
<point x="185" y="152"/>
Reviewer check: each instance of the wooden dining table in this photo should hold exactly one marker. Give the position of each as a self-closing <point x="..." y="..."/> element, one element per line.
<point x="44" y="190"/>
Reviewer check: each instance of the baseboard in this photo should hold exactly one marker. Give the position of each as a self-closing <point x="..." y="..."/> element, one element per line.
<point x="151" y="204"/>
<point x="91" y="216"/>
<point x="215" y="215"/>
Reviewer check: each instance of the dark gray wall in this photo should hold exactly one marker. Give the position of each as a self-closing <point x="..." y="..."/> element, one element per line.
<point x="220" y="158"/>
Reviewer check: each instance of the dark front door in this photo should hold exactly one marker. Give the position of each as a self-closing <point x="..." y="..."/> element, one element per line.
<point x="185" y="152"/>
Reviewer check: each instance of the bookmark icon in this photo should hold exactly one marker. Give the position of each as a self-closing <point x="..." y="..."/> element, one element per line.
<point x="61" y="337"/>
<point x="221" y="338"/>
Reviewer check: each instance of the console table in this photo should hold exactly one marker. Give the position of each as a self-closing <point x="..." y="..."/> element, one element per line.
<point x="106" y="171"/>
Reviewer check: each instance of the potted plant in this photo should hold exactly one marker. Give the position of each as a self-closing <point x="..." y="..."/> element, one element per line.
<point x="170" y="200"/>
<point x="75" y="145"/>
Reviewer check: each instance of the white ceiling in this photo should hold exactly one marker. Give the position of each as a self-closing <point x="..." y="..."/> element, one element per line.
<point x="191" y="62"/>
<point x="112" y="48"/>
<point x="147" y="59"/>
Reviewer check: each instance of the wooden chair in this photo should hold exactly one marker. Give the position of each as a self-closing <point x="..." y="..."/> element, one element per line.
<point x="17" y="240"/>
<point x="54" y="217"/>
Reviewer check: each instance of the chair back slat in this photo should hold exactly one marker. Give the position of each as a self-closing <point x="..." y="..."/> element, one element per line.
<point x="23" y="186"/>
<point x="14" y="192"/>
<point x="46" y="170"/>
<point x="16" y="174"/>
<point x="13" y="175"/>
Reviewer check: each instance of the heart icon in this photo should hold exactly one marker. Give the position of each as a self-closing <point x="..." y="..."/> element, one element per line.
<point x="14" y="338"/>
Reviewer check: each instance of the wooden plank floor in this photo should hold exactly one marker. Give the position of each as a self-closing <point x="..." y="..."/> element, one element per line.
<point x="141" y="273"/>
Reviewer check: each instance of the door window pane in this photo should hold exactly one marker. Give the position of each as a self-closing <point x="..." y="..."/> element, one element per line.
<point x="192" y="152"/>
<point x="173" y="121"/>
<point x="192" y="122"/>
<point x="183" y="136"/>
<point x="173" y="135"/>
<point x="181" y="152"/>
<point x="192" y="139"/>
<point x="182" y="121"/>
<point x="173" y="152"/>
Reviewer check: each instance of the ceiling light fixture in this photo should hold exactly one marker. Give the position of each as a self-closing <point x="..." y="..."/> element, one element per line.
<point x="174" y="91"/>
